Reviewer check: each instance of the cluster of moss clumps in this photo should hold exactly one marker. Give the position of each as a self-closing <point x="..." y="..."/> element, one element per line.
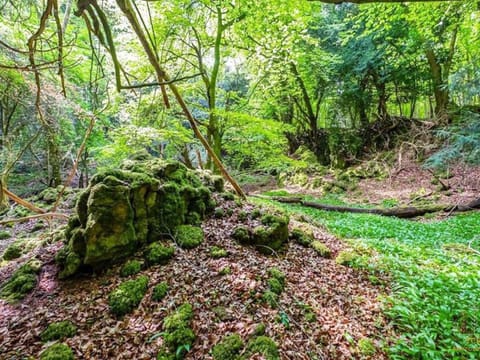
<point x="57" y="352"/>
<point x="232" y="347"/>
<point x="125" y="208"/>
<point x="21" y="282"/>
<point x="160" y="291"/>
<point x="268" y="237"/>
<point x="218" y="252"/>
<point x="131" y="267"/>
<point x="157" y="253"/>
<point x="178" y="335"/>
<point x="188" y="236"/>
<point x="14" y="251"/>
<point x="276" y="285"/>
<point x="128" y="295"/>
<point x="58" y="331"/>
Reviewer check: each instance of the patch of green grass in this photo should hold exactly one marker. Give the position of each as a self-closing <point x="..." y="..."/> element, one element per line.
<point x="434" y="303"/>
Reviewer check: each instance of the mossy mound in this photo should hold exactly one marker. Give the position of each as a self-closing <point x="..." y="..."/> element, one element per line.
<point x="157" y="253"/>
<point x="302" y="237"/>
<point x="229" y="348"/>
<point x="160" y="291"/>
<point x="188" y="236"/>
<point x="125" y="208"/>
<point x="131" y="267"/>
<point x="276" y="285"/>
<point x="21" y="282"/>
<point x="321" y="249"/>
<point x="264" y="346"/>
<point x="347" y="257"/>
<point x="268" y="237"/>
<point x="14" y="251"/>
<point x="58" y="331"/>
<point x="127" y="296"/>
<point x="4" y="234"/>
<point x="218" y="252"/>
<point x="57" y="352"/>
<point x="178" y="336"/>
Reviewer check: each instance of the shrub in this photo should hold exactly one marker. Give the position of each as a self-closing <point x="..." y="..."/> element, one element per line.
<point x="57" y="352"/>
<point x="229" y="348"/>
<point x="160" y="291"/>
<point x="189" y="236"/>
<point x="131" y="267"/>
<point x="59" y="331"/>
<point x="157" y="253"/>
<point x="127" y="296"/>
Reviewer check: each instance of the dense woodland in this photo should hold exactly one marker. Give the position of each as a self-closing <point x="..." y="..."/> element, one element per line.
<point x="269" y="179"/>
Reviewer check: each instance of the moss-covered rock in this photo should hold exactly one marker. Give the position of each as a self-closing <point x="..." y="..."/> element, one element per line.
<point x="14" y="251"/>
<point x="264" y="346"/>
<point x="178" y="335"/>
<point x="160" y="291"/>
<point x="218" y="252"/>
<point x="241" y="234"/>
<point x="302" y="237"/>
<point x="4" y="234"/>
<point x="57" y="352"/>
<point x="131" y="267"/>
<point x="58" y="331"/>
<point x="21" y="282"/>
<point x="272" y="234"/>
<point x="122" y="209"/>
<point x="321" y="249"/>
<point x="157" y="253"/>
<point x="189" y="236"/>
<point x="127" y="296"/>
<point x="229" y="348"/>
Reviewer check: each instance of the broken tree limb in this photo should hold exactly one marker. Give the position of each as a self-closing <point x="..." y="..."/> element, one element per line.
<point x="22" y="202"/>
<point x="39" y="216"/>
<point x="406" y="212"/>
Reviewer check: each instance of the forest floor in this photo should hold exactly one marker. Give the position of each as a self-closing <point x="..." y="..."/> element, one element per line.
<point x="349" y="303"/>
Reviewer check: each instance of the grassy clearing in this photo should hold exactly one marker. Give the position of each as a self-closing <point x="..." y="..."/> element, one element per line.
<point x="436" y="278"/>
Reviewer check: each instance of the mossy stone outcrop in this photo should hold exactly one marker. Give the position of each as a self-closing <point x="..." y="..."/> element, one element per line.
<point x="123" y="209"/>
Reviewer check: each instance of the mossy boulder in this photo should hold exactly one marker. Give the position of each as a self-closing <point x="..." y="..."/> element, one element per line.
<point x="229" y="348"/>
<point x="57" y="352"/>
<point x="58" y="331"/>
<point x="14" y="251"/>
<point x="125" y="208"/>
<point x="21" y="282"/>
<point x="127" y="296"/>
<point x="189" y="236"/>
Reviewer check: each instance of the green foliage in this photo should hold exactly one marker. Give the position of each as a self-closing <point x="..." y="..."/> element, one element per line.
<point x="263" y="345"/>
<point x="14" y="251"/>
<point x="4" y="234"/>
<point x="128" y="295"/>
<point x="229" y="348"/>
<point x="276" y="273"/>
<point x="57" y="352"/>
<point x="218" y="252"/>
<point x="225" y="271"/>
<point x="23" y="280"/>
<point x="275" y="285"/>
<point x="434" y="297"/>
<point x="189" y="236"/>
<point x="58" y="331"/>
<point x="366" y="347"/>
<point x="178" y="335"/>
<point x="321" y="249"/>
<point x="131" y="267"/>
<point x="270" y="298"/>
<point x="157" y="253"/>
<point x="241" y="233"/>
<point x="160" y="291"/>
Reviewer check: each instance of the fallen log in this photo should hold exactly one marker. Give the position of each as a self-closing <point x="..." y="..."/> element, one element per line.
<point x="405" y="212"/>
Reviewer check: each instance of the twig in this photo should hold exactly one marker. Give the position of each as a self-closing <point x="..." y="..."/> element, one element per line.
<point x="26" y="218"/>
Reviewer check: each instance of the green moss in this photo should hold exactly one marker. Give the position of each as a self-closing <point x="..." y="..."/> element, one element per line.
<point x="157" y="253"/>
<point x="256" y="213"/>
<point x="228" y="196"/>
<point x="347" y="257"/>
<point x="57" y="352"/>
<point x="4" y="234"/>
<point x="131" y="267"/>
<point x="160" y="291"/>
<point x="178" y="336"/>
<point x="276" y="273"/>
<point x="21" y="282"/>
<point x="189" y="236"/>
<point x="301" y="237"/>
<point x="271" y="236"/>
<point x="241" y="234"/>
<point x="127" y="296"/>
<point x="242" y="215"/>
<point x="229" y="348"/>
<point x="225" y="271"/>
<point x="270" y="298"/>
<point x="59" y="331"/>
<point x="259" y="330"/>
<point x="218" y="252"/>
<point x="275" y="286"/>
<point x="219" y="212"/>
<point x="366" y="347"/>
<point x="262" y="345"/>
<point x="14" y="251"/>
<point x="321" y="249"/>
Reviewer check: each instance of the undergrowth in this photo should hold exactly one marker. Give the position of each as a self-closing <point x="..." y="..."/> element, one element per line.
<point x="435" y="269"/>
